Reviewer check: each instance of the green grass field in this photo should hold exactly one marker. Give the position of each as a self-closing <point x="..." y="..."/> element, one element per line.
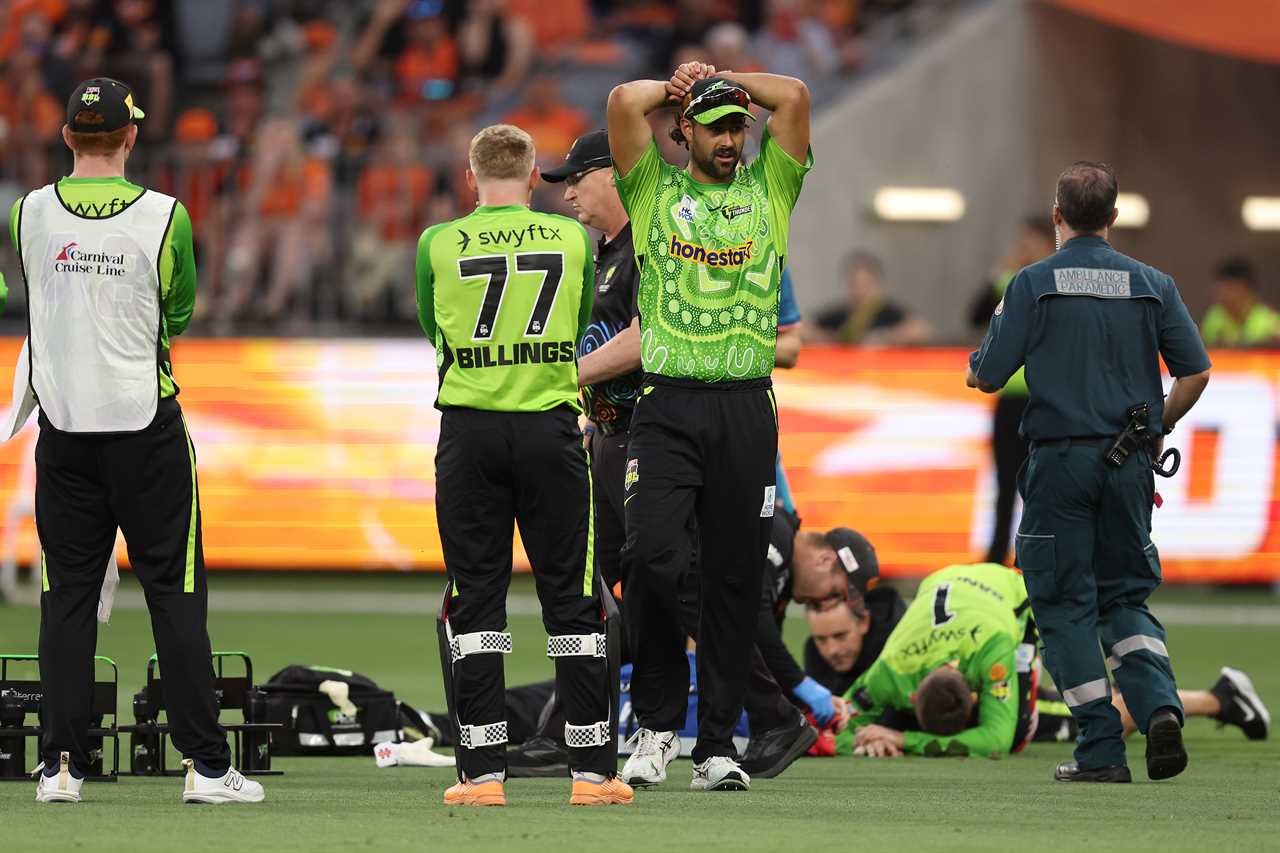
<point x="1229" y="799"/>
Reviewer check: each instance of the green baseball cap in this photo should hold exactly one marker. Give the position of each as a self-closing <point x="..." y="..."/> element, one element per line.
<point x="714" y="98"/>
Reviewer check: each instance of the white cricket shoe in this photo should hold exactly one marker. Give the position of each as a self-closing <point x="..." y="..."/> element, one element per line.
<point x="720" y="773"/>
<point x="61" y="787"/>
<point x="653" y="751"/>
<point x="230" y="787"/>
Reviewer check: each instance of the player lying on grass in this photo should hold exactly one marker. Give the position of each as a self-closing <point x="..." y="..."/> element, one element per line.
<point x="942" y="685"/>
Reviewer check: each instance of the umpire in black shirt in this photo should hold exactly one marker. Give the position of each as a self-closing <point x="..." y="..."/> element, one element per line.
<point x="609" y="352"/>
<point x="1091" y="325"/>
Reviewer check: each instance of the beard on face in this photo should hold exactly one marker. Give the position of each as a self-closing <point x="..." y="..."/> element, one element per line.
<point x="711" y="166"/>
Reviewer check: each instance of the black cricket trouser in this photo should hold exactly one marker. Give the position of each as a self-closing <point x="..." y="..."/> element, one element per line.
<point x="1010" y="451"/>
<point x="527" y="708"/>
<point x="144" y="483"/>
<point x="608" y="467"/>
<point x="608" y="462"/>
<point x="703" y="451"/>
<point x="766" y="705"/>
<point x="495" y="469"/>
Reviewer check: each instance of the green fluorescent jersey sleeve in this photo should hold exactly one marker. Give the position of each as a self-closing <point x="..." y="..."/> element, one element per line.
<point x="425" y="281"/>
<point x="783" y="177"/>
<point x="178" y="273"/>
<point x="638" y="190"/>
<point x="504" y="294"/>
<point x="876" y="691"/>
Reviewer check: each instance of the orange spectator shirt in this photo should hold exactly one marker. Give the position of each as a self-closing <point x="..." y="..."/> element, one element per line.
<point x="554" y="22"/>
<point x="394" y="198"/>
<point x="416" y="66"/>
<point x="51" y="10"/>
<point x="290" y="188"/>
<point x="553" y="131"/>
<point x="42" y="116"/>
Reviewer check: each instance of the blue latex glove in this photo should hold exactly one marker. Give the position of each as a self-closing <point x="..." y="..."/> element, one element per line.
<point x="818" y="698"/>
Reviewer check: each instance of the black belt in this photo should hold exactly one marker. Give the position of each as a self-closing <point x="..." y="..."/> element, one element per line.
<point x="1082" y="440"/>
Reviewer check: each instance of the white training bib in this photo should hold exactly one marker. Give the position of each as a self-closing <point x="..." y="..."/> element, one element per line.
<point x="93" y="307"/>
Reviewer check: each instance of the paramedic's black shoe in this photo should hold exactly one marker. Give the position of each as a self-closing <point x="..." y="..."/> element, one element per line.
<point x="772" y="751"/>
<point x="1166" y="756"/>
<point x="538" y="758"/>
<point x="1069" y="771"/>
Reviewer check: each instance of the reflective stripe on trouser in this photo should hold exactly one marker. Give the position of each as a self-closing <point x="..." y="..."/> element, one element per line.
<point x="494" y="470"/>
<point x="1139" y="661"/>
<point x="561" y="646"/>
<point x="1083" y="694"/>
<point x="1081" y="550"/>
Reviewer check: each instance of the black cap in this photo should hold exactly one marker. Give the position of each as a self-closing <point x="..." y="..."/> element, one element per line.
<point x="589" y="151"/>
<point x="857" y="557"/>
<point x="101" y="105"/>
<point x="712" y="98"/>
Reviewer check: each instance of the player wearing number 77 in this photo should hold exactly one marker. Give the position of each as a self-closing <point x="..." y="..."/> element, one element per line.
<point x="504" y="294"/>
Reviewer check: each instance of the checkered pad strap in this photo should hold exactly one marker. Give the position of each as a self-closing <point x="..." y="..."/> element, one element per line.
<point x="577" y="645"/>
<point x="473" y="737"/>
<point x="593" y="734"/>
<point x="479" y="643"/>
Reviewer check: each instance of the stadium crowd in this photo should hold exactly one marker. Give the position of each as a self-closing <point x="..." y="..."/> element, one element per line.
<point x="312" y="141"/>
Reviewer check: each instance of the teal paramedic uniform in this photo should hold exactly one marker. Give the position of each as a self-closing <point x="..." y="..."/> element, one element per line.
<point x="1090" y="326"/>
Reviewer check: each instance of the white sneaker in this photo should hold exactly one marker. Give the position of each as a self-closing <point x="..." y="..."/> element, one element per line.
<point x="61" y="787"/>
<point x="653" y="751"/>
<point x="720" y="773"/>
<point x="230" y="787"/>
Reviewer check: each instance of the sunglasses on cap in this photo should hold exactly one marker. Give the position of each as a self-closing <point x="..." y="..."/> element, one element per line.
<point x="719" y="95"/>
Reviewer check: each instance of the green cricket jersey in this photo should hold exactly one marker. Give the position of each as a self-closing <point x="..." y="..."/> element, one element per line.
<point x="505" y="294"/>
<point x="711" y="257"/>
<point x="98" y="198"/>
<point x="973" y="615"/>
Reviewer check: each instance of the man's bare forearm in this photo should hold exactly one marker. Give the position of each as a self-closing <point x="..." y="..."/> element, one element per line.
<point x="618" y="357"/>
<point x="1183" y="394"/>
<point x="787" y="351"/>
<point x="629" y="131"/>
<point x="771" y="91"/>
<point x="642" y="96"/>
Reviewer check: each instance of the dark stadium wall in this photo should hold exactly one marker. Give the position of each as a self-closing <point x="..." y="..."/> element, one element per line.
<point x="995" y="108"/>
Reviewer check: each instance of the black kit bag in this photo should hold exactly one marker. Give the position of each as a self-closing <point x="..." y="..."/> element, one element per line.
<point x="314" y="724"/>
